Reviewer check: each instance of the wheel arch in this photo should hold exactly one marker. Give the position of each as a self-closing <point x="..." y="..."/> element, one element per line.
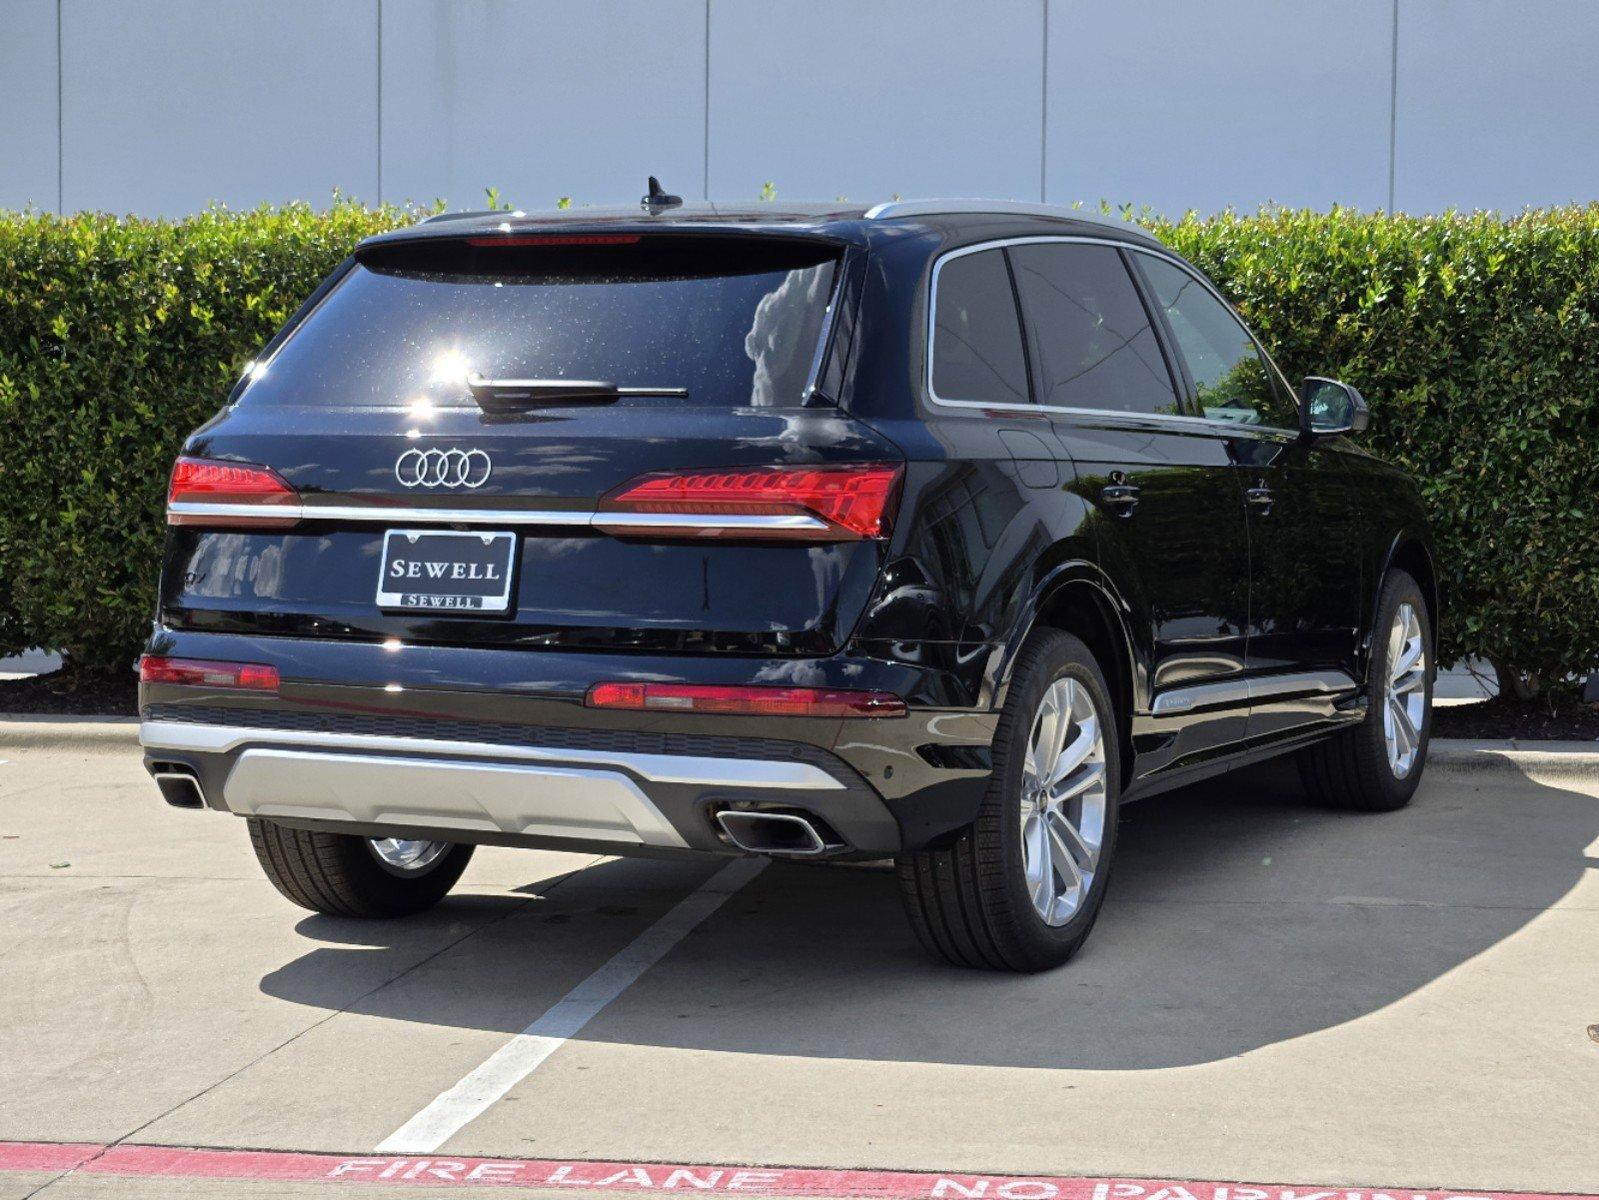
<point x="1076" y="597"/>
<point x="1408" y="552"/>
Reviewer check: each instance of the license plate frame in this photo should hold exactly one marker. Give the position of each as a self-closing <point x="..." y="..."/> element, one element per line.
<point x="427" y="591"/>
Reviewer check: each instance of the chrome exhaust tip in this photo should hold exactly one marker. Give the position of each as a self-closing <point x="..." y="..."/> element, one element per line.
<point x="179" y="785"/>
<point x="772" y="833"/>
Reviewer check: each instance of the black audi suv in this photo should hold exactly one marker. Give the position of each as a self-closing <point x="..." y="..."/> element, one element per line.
<point x="936" y="531"/>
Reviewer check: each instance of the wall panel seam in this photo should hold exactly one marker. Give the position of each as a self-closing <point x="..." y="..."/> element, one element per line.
<point x="61" y="124"/>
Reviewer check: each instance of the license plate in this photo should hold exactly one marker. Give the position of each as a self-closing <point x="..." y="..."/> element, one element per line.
<point x="447" y="572"/>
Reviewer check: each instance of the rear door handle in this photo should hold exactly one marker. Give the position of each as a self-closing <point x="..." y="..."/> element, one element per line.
<point x="1120" y="496"/>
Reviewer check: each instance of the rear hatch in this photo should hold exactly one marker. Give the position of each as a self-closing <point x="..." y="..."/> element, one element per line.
<point x="624" y="424"/>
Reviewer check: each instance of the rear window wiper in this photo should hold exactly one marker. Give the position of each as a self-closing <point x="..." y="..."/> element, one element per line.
<point x="526" y="393"/>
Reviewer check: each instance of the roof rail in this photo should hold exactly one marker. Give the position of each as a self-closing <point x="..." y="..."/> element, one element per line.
<point x="932" y="208"/>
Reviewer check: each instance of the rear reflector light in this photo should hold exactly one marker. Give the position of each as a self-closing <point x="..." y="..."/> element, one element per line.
<point x="821" y="503"/>
<point x="200" y="672"/>
<point x="563" y="239"/>
<point x="229" y="495"/>
<point x="745" y="701"/>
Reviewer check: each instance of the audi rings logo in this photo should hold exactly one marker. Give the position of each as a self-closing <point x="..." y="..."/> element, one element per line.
<point x="443" y="468"/>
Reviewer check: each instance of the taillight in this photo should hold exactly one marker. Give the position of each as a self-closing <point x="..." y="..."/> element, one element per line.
<point x="230" y="495"/>
<point x="202" y="672"/>
<point x="745" y="701"/>
<point x="821" y="503"/>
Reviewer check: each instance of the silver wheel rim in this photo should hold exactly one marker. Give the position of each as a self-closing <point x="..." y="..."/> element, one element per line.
<point x="1063" y="801"/>
<point x="1405" y="697"/>
<point x="409" y="857"/>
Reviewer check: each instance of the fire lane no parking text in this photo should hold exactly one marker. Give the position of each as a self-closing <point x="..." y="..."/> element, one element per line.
<point x="166" y="1162"/>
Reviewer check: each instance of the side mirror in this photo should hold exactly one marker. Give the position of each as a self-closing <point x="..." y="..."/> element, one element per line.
<point x="1328" y="407"/>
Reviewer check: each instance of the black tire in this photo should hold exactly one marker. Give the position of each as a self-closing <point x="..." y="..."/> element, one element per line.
<point x="968" y="902"/>
<point x="1351" y="769"/>
<point x="340" y="875"/>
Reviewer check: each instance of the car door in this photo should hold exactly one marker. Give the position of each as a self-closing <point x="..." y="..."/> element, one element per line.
<point x="1303" y="508"/>
<point x="1169" y="518"/>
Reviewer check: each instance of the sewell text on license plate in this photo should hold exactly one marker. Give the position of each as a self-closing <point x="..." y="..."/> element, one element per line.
<point x="446" y="571"/>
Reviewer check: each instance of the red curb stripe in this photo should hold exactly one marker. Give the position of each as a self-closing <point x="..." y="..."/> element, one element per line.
<point x="46" y="1156"/>
<point x="168" y="1162"/>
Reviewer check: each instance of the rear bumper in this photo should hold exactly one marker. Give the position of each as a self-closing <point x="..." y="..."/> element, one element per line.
<point x="513" y="765"/>
<point x="506" y="791"/>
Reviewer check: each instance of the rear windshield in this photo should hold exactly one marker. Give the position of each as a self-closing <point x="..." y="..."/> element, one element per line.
<point x="735" y="321"/>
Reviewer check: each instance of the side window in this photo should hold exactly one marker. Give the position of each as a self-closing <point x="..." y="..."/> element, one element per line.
<point x="1231" y="380"/>
<point x="1090" y="331"/>
<point x="977" y="339"/>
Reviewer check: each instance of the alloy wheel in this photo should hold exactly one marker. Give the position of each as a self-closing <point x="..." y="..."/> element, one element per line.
<point x="1405" y="696"/>
<point x="1063" y="801"/>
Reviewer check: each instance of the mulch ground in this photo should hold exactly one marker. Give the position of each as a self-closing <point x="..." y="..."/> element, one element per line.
<point x="70" y="694"/>
<point x="67" y="694"/>
<point x="1567" y="720"/>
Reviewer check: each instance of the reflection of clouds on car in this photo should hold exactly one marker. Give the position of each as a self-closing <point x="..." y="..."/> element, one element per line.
<point x="228" y="565"/>
<point x="778" y="327"/>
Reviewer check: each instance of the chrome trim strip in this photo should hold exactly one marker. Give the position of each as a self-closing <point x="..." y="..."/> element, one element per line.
<point x="382" y="513"/>
<point x="660" y="768"/>
<point x="1246" y="691"/>
<point x="1204" y="695"/>
<point x="1318" y="682"/>
<point x="1109" y="417"/>
<point x="520" y="798"/>
<point x="391" y="515"/>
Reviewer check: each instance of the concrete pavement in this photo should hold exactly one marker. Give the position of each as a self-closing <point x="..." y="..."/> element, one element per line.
<point x="1274" y="993"/>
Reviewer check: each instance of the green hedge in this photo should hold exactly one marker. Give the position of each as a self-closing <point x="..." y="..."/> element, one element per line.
<point x="118" y="337"/>
<point x="1474" y="338"/>
<point x="1476" y="341"/>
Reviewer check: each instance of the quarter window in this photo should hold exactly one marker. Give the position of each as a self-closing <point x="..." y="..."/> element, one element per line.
<point x="1090" y="332"/>
<point x="1232" y="379"/>
<point x="977" y="339"/>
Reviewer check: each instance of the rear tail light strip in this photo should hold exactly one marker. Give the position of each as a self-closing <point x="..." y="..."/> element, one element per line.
<point x="826" y="502"/>
<point x="739" y="700"/>
<point x="248" y="495"/>
<point x="822" y="504"/>
<point x="205" y="672"/>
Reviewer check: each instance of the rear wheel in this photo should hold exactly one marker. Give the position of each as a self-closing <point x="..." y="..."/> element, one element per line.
<point x="1021" y="888"/>
<point x="1377" y="765"/>
<point x="347" y="876"/>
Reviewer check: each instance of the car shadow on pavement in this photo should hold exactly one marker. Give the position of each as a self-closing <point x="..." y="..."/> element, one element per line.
<point x="1239" y="916"/>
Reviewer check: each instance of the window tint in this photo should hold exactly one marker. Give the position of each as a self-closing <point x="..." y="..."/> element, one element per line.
<point x="734" y="320"/>
<point x="1090" y="331"/>
<point x="1231" y="380"/>
<point x="977" y="340"/>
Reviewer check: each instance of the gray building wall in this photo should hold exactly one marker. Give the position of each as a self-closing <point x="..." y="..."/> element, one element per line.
<point x="160" y="106"/>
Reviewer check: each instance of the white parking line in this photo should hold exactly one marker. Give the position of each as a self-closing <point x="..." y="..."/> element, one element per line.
<point x="513" y="1062"/>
